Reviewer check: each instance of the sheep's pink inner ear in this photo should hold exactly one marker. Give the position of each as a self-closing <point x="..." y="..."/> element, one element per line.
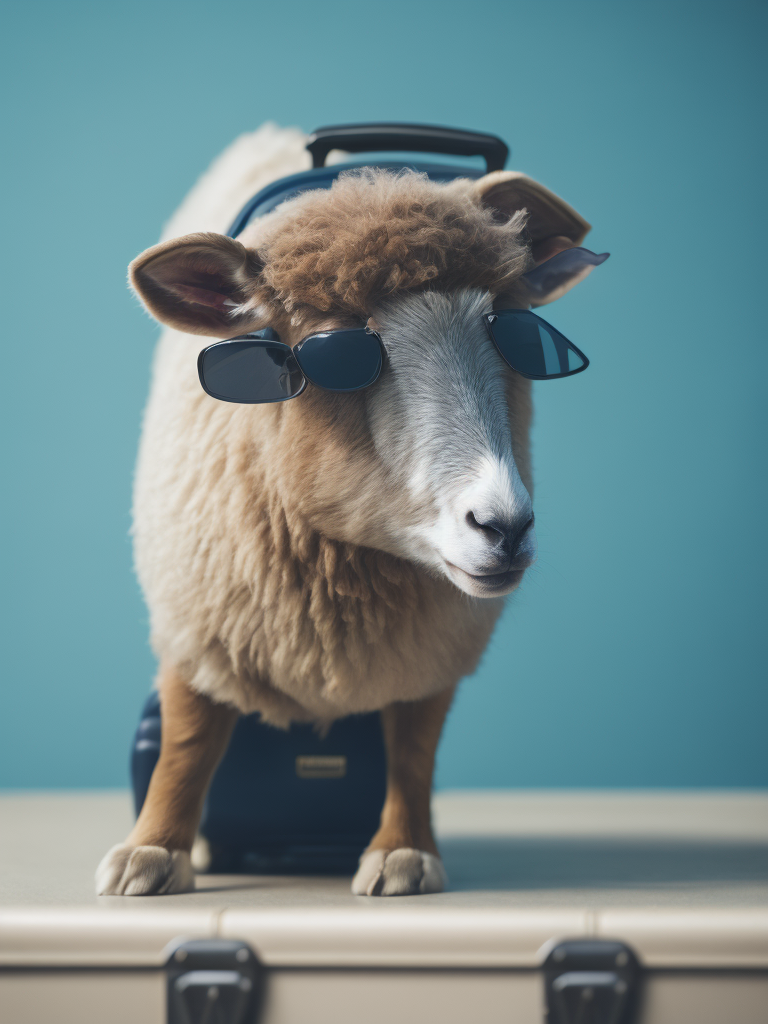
<point x="204" y="297"/>
<point x="197" y="284"/>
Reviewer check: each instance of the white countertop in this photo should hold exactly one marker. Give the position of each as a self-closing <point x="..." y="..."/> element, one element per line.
<point x="670" y="871"/>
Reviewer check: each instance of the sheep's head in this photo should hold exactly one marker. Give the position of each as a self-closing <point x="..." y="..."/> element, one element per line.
<point x="431" y="462"/>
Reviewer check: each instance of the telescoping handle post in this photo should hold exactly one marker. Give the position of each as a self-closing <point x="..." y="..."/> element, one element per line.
<point x="421" y="138"/>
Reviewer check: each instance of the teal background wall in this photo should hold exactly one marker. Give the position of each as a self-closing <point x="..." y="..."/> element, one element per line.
<point x="634" y="655"/>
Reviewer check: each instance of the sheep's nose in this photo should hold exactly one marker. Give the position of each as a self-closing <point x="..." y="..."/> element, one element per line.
<point x="505" y="537"/>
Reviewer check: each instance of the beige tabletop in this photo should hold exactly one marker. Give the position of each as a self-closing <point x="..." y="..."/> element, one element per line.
<point x="523" y="866"/>
<point x="526" y="849"/>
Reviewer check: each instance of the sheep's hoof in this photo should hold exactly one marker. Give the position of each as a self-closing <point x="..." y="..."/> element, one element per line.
<point x="144" y="871"/>
<point x="398" y="873"/>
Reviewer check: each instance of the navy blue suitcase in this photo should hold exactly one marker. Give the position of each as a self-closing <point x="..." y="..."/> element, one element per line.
<point x="283" y="802"/>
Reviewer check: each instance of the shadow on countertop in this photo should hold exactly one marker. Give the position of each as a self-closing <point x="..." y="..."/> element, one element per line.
<point x="492" y="862"/>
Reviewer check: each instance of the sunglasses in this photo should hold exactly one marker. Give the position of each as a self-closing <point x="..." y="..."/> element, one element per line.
<point x="258" y="368"/>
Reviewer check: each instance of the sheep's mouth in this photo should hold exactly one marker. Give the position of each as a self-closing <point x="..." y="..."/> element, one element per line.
<point x="491" y="585"/>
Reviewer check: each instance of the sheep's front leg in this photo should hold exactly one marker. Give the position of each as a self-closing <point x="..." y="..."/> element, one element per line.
<point x="155" y="857"/>
<point x="402" y="858"/>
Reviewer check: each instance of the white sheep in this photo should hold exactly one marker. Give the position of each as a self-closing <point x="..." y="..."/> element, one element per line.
<point x="338" y="553"/>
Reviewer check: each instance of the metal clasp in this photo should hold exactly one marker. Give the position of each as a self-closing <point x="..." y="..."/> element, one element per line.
<point x="591" y="981"/>
<point x="213" y="981"/>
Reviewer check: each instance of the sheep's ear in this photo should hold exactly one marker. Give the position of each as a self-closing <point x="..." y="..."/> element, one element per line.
<point x="550" y="219"/>
<point x="554" y="228"/>
<point x="557" y="275"/>
<point x="196" y="283"/>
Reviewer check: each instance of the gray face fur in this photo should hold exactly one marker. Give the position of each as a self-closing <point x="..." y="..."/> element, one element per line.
<point x="440" y="423"/>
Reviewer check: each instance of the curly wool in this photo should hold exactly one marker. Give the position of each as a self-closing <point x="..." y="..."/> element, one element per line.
<point x="342" y="250"/>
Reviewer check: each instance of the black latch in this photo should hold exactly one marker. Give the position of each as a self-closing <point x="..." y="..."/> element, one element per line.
<point x="213" y="981"/>
<point x="591" y="981"/>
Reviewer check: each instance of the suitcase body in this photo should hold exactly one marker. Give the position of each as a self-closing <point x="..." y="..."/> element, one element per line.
<point x="283" y="801"/>
<point x="679" y="880"/>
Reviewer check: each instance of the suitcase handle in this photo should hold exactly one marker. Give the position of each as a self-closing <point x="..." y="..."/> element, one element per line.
<point x="423" y="138"/>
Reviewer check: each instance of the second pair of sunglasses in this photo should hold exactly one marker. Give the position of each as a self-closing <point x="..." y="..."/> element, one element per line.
<point x="258" y="368"/>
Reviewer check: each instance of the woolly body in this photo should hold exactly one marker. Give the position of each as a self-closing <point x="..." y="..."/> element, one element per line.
<point x="262" y="535"/>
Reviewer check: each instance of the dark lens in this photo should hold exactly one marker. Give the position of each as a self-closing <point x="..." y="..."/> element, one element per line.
<point x="532" y="346"/>
<point x="250" y="371"/>
<point x="341" y="360"/>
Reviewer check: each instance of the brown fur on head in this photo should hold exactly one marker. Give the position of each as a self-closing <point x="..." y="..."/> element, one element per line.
<point x="343" y="250"/>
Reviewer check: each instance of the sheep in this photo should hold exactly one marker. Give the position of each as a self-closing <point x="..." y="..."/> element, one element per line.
<point x="340" y="553"/>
